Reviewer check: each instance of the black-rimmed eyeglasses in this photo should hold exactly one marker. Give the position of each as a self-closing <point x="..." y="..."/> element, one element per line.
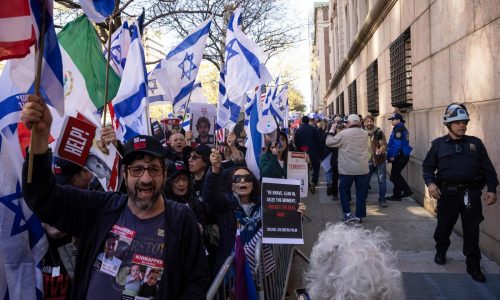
<point x="138" y="171"/>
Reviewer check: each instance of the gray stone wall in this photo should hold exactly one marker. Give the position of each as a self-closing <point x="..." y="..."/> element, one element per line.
<point x="455" y="58"/>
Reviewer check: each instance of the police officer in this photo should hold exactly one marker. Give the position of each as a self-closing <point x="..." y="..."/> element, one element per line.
<point x="455" y="170"/>
<point x="398" y="153"/>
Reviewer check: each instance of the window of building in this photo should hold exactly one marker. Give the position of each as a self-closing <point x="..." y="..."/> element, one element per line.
<point x="352" y="98"/>
<point x="400" y="56"/>
<point x="372" y="88"/>
<point x="340" y="104"/>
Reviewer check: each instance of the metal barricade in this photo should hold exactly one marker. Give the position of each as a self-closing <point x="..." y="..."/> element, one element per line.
<point x="271" y="287"/>
<point x="218" y="289"/>
<point x="275" y="284"/>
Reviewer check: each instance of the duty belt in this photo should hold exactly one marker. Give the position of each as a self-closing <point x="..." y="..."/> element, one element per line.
<point x="461" y="186"/>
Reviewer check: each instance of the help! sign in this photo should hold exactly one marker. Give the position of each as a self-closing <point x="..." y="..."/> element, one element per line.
<point x="76" y="140"/>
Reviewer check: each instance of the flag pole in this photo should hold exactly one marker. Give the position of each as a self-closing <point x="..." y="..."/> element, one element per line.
<point x="38" y="75"/>
<point x="187" y="105"/>
<point x="215" y="133"/>
<point x="107" y="72"/>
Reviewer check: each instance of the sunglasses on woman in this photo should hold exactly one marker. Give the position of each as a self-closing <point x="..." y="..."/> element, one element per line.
<point x="245" y="177"/>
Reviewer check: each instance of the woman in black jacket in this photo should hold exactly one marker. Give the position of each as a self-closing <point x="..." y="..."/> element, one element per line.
<point x="179" y="187"/>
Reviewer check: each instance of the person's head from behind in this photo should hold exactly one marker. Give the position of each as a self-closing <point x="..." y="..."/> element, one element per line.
<point x="353" y="263"/>
<point x="152" y="277"/>
<point x="244" y="183"/>
<point x="353" y="121"/>
<point x="305" y="120"/>
<point x="177" y="142"/>
<point x="145" y="171"/>
<point x="203" y="127"/>
<point x="110" y="245"/>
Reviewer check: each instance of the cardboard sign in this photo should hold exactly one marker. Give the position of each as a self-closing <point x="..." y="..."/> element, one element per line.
<point x="103" y="164"/>
<point x="297" y="169"/>
<point x="76" y="140"/>
<point x="281" y="223"/>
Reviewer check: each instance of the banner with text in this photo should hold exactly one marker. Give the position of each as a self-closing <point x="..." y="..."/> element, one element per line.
<point x="281" y="223"/>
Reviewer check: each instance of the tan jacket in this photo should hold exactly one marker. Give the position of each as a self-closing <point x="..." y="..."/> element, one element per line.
<point x="353" y="150"/>
<point x="377" y="141"/>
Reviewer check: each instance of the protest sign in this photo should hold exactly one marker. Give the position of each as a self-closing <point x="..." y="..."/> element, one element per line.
<point x="203" y="122"/>
<point x="297" y="169"/>
<point x="281" y="223"/>
<point x="76" y="140"/>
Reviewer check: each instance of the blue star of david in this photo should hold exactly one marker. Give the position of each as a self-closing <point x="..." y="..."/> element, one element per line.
<point x="152" y="85"/>
<point x="230" y="52"/>
<point x="191" y="66"/>
<point x="20" y="224"/>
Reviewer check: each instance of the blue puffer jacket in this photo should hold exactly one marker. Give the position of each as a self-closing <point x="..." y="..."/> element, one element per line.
<point x="399" y="143"/>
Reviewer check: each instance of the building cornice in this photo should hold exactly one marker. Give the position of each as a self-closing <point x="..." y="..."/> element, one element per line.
<point x="372" y="21"/>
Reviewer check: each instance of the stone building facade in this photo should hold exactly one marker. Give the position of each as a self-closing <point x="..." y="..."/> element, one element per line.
<point x="320" y="57"/>
<point x="416" y="57"/>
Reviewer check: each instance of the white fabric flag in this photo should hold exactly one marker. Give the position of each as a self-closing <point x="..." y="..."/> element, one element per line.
<point x="176" y="73"/>
<point x="129" y="105"/>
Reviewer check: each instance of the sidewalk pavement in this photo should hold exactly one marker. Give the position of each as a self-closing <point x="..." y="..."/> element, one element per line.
<point x="411" y="229"/>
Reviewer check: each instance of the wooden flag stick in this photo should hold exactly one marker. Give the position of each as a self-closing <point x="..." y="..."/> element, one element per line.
<point x="107" y="72"/>
<point x="38" y="75"/>
<point x="187" y="105"/>
<point x="215" y="133"/>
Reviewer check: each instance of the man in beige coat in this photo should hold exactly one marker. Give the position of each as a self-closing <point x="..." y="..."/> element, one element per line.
<point x="352" y="143"/>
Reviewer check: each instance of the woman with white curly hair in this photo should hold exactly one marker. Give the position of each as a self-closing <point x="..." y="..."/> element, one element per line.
<point x="353" y="263"/>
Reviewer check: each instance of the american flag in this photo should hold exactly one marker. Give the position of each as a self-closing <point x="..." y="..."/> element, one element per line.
<point x="263" y="93"/>
<point x="16" y="29"/>
<point x="220" y="135"/>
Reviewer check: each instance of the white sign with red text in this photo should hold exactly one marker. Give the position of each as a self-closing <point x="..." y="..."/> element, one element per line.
<point x="297" y="169"/>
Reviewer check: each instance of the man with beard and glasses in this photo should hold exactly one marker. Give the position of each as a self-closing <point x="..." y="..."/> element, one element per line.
<point x="150" y="230"/>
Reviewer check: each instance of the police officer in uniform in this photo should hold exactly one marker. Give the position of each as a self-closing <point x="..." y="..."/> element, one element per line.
<point x="398" y="153"/>
<point x="455" y="171"/>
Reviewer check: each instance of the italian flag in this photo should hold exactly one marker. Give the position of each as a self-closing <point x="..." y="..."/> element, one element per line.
<point x="84" y="69"/>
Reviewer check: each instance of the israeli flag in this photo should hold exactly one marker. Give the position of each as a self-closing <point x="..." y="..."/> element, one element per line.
<point x="128" y="107"/>
<point x="271" y="95"/>
<point x="279" y="107"/>
<point x="176" y="73"/>
<point x="22" y="240"/>
<point x="254" y="139"/>
<point x="97" y="10"/>
<point x="243" y="69"/>
<point x="120" y="43"/>
<point x="228" y="111"/>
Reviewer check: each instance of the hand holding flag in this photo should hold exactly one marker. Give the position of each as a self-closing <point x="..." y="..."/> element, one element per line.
<point x="37" y="117"/>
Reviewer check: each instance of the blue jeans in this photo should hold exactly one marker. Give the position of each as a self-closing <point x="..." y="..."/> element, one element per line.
<point x="329" y="176"/>
<point x="345" y="183"/>
<point x="381" y="178"/>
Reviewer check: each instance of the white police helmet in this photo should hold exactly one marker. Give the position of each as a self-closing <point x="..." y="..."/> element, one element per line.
<point x="455" y="112"/>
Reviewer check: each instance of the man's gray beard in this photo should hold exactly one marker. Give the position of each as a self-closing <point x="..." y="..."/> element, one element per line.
<point x="144" y="205"/>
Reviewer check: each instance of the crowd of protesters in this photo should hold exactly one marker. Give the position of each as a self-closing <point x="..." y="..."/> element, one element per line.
<point x="170" y="230"/>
